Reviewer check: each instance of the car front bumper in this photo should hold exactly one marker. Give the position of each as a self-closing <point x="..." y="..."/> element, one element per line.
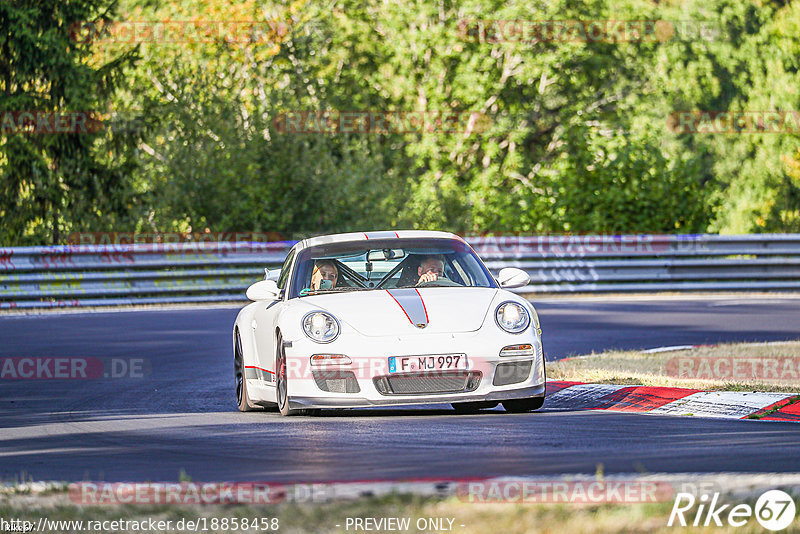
<point x="354" y="401"/>
<point x="369" y="361"/>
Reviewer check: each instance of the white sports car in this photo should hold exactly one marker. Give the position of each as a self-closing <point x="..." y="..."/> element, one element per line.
<point x="387" y="318"/>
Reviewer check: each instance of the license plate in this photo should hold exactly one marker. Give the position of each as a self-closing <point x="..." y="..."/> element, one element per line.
<point x="437" y="362"/>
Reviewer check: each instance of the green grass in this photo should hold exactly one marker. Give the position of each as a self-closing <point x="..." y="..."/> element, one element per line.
<point x="635" y="367"/>
<point x="480" y="518"/>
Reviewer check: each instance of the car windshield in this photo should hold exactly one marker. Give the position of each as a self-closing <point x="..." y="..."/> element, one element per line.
<point x="388" y="264"/>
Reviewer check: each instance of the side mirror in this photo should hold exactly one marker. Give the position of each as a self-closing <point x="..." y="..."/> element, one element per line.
<point x="263" y="290"/>
<point x="511" y="277"/>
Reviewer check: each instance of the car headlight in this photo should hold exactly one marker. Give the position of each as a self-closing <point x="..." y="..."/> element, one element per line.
<point x="512" y="317"/>
<point x="321" y="327"/>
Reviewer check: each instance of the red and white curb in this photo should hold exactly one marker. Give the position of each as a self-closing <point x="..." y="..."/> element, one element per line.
<point x="673" y="401"/>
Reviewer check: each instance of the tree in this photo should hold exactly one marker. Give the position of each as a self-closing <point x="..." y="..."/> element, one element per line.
<point x="53" y="183"/>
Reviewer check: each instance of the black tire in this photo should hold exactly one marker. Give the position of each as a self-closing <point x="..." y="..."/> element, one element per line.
<point x="281" y="381"/>
<point x="242" y="399"/>
<point x="472" y="407"/>
<point x="523" y="405"/>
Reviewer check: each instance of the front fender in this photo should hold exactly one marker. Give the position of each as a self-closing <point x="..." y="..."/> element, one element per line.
<point x="243" y="323"/>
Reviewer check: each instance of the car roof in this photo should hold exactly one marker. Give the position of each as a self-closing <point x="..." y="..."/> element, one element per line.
<point x="365" y="236"/>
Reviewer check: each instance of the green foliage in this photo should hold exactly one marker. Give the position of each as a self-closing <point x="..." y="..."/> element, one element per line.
<point x="626" y="183"/>
<point x="578" y="137"/>
<point x="215" y="159"/>
<point x="751" y="65"/>
<point x="56" y="183"/>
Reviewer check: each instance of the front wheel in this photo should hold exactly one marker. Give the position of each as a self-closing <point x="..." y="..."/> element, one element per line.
<point x="282" y="382"/>
<point x="242" y="399"/>
<point x="523" y="405"/>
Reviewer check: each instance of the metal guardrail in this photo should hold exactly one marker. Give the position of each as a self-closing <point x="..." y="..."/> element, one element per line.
<point x="96" y="275"/>
<point x="648" y="263"/>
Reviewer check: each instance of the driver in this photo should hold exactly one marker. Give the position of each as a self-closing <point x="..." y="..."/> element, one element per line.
<point x="430" y="269"/>
<point x="325" y="275"/>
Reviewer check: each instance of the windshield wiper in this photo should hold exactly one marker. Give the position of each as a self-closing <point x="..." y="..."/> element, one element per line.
<point x="308" y="291"/>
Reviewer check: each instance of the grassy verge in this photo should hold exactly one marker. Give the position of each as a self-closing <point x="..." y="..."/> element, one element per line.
<point x="467" y="518"/>
<point x="727" y="367"/>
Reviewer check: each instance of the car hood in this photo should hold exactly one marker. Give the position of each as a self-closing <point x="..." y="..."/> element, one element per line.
<point x="409" y="311"/>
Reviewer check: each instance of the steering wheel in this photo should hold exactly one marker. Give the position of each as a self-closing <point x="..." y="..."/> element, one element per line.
<point x="440" y="282"/>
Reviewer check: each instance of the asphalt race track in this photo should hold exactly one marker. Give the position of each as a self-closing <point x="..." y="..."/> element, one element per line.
<point x="181" y="416"/>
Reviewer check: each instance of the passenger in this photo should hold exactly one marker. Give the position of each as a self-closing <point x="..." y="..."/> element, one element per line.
<point x="325" y="275"/>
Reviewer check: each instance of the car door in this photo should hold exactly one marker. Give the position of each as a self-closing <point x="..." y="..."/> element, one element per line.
<point x="265" y="320"/>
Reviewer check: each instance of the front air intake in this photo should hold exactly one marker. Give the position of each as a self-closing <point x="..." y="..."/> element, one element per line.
<point x="512" y="372"/>
<point x="428" y="383"/>
<point x="336" y="381"/>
